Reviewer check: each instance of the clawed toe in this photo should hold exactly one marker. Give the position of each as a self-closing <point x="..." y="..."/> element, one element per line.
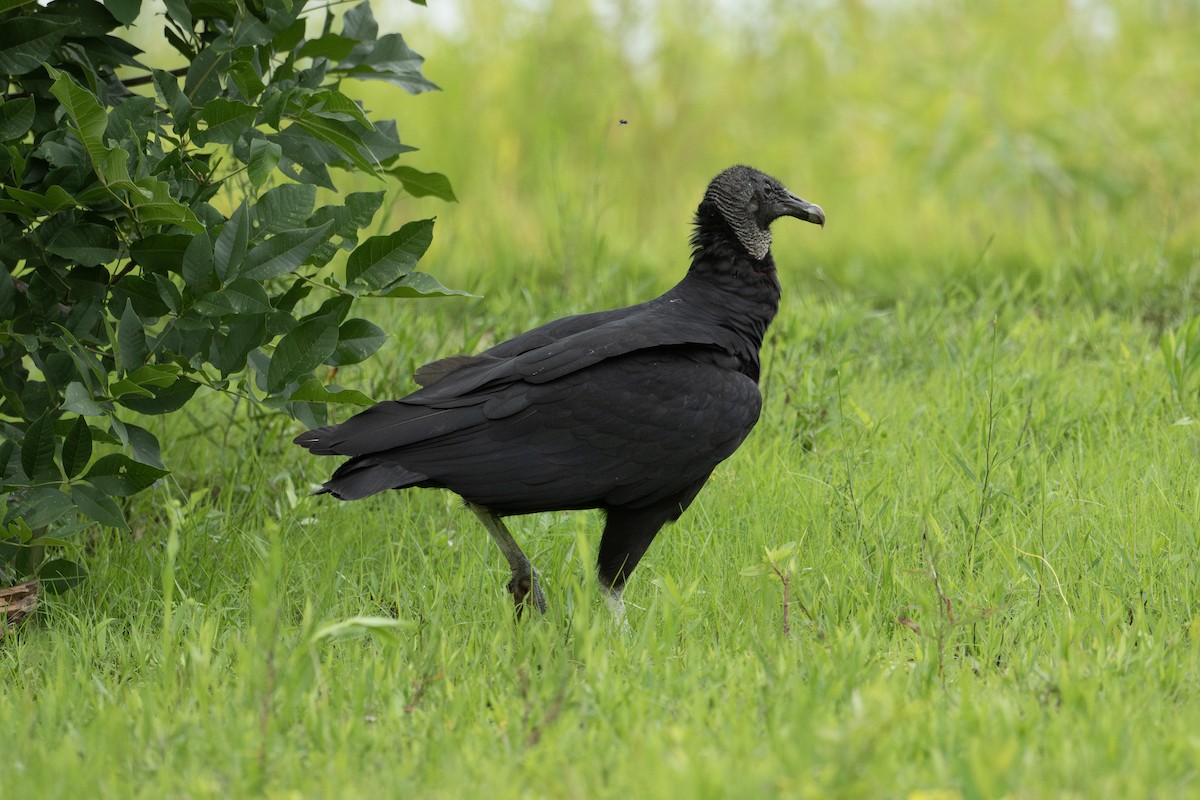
<point x="526" y="590"/>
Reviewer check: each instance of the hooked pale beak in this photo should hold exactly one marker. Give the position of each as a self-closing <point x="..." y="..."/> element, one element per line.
<point x="802" y="209"/>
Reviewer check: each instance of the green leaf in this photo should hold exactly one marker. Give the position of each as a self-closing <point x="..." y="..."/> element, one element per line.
<point x="249" y="297"/>
<point x="338" y="134"/>
<point x="126" y="387"/>
<point x="179" y="13"/>
<point x="16" y="117"/>
<point x="381" y="260"/>
<point x="246" y="78"/>
<point x="264" y="158"/>
<point x="169" y="293"/>
<point x="119" y="475"/>
<point x="283" y="252"/>
<point x="225" y="121"/>
<point x="37" y="448"/>
<point x="287" y="39"/>
<point x="332" y="46"/>
<point x="166" y="86"/>
<point x="153" y="204"/>
<point x="160" y="252"/>
<point x="358" y="340"/>
<point x="214" y="304"/>
<point x="132" y="119"/>
<point x="420" y="284"/>
<point x="313" y="391"/>
<point x="39" y="507"/>
<point x="85" y="243"/>
<point x="199" y="273"/>
<point x="157" y="375"/>
<point x="301" y="350"/>
<point x="243" y="296"/>
<point x="359" y="23"/>
<point x="164" y="400"/>
<point x="203" y="80"/>
<point x="140" y="441"/>
<point x="284" y="208"/>
<point x="230" y="249"/>
<point x="348" y="219"/>
<point x="143" y="444"/>
<point x="26" y="43"/>
<point x="332" y="104"/>
<point x="55" y="199"/>
<point x="96" y="505"/>
<point x="424" y="184"/>
<point x="312" y="156"/>
<point x="131" y="339"/>
<point x="59" y="539"/>
<point x="60" y="574"/>
<point x="125" y="11"/>
<point x="90" y="121"/>
<point x="388" y="59"/>
<point x="78" y="400"/>
<point x="230" y="350"/>
<point x="77" y="448"/>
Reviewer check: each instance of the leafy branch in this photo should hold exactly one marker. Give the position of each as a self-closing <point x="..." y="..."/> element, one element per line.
<point x="162" y="234"/>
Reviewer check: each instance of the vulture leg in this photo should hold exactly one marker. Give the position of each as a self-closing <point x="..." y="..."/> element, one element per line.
<point x="524" y="581"/>
<point x="627" y="535"/>
<point x="616" y="606"/>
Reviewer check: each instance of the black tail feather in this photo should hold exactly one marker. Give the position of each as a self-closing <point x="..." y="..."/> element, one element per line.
<point x="364" y="476"/>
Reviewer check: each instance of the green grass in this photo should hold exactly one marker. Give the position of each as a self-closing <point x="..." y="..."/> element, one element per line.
<point x="993" y="487"/>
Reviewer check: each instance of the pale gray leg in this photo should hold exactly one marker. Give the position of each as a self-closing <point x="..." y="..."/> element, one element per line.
<point x="524" y="583"/>
<point x="616" y="606"/>
<point x="612" y="599"/>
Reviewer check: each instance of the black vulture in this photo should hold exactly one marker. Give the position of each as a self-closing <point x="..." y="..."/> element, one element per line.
<point x="627" y="410"/>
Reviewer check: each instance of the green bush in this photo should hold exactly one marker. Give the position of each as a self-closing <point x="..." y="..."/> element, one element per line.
<point x="162" y="232"/>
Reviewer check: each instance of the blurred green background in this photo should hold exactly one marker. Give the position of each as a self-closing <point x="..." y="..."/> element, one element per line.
<point x="1053" y="143"/>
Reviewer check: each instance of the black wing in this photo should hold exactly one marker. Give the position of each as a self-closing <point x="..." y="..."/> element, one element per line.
<point x="627" y="431"/>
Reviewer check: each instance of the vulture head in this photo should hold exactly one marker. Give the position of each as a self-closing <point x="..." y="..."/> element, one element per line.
<point x="749" y="201"/>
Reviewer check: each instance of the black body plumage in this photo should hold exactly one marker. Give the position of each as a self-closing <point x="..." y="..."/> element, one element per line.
<point x="627" y="410"/>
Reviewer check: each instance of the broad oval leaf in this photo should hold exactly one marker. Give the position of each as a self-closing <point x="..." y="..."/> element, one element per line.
<point x="199" y="273"/>
<point x="421" y="284"/>
<point x="39" y="507"/>
<point x="247" y="296"/>
<point x="161" y="400"/>
<point x="230" y="248"/>
<point x="26" y="43"/>
<point x="37" y="449"/>
<point x="78" y="400"/>
<point x="85" y="243"/>
<point x="160" y="252"/>
<point x="382" y="260"/>
<point x="284" y="208"/>
<point x="77" y="448"/>
<point x="301" y="350"/>
<point x="225" y="121"/>
<point x="16" y="117"/>
<point x="264" y="158"/>
<point x="424" y="184"/>
<point x="98" y="506"/>
<point x="119" y="475"/>
<point x="131" y="339"/>
<point x="313" y="391"/>
<point x="283" y="252"/>
<point x="358" y="340"/>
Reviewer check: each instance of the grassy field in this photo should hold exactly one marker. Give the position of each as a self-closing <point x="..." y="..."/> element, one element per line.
<point x="975" y="467"/>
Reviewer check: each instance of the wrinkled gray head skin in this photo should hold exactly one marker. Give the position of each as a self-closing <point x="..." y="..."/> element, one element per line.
<point x="750" y="201"/>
